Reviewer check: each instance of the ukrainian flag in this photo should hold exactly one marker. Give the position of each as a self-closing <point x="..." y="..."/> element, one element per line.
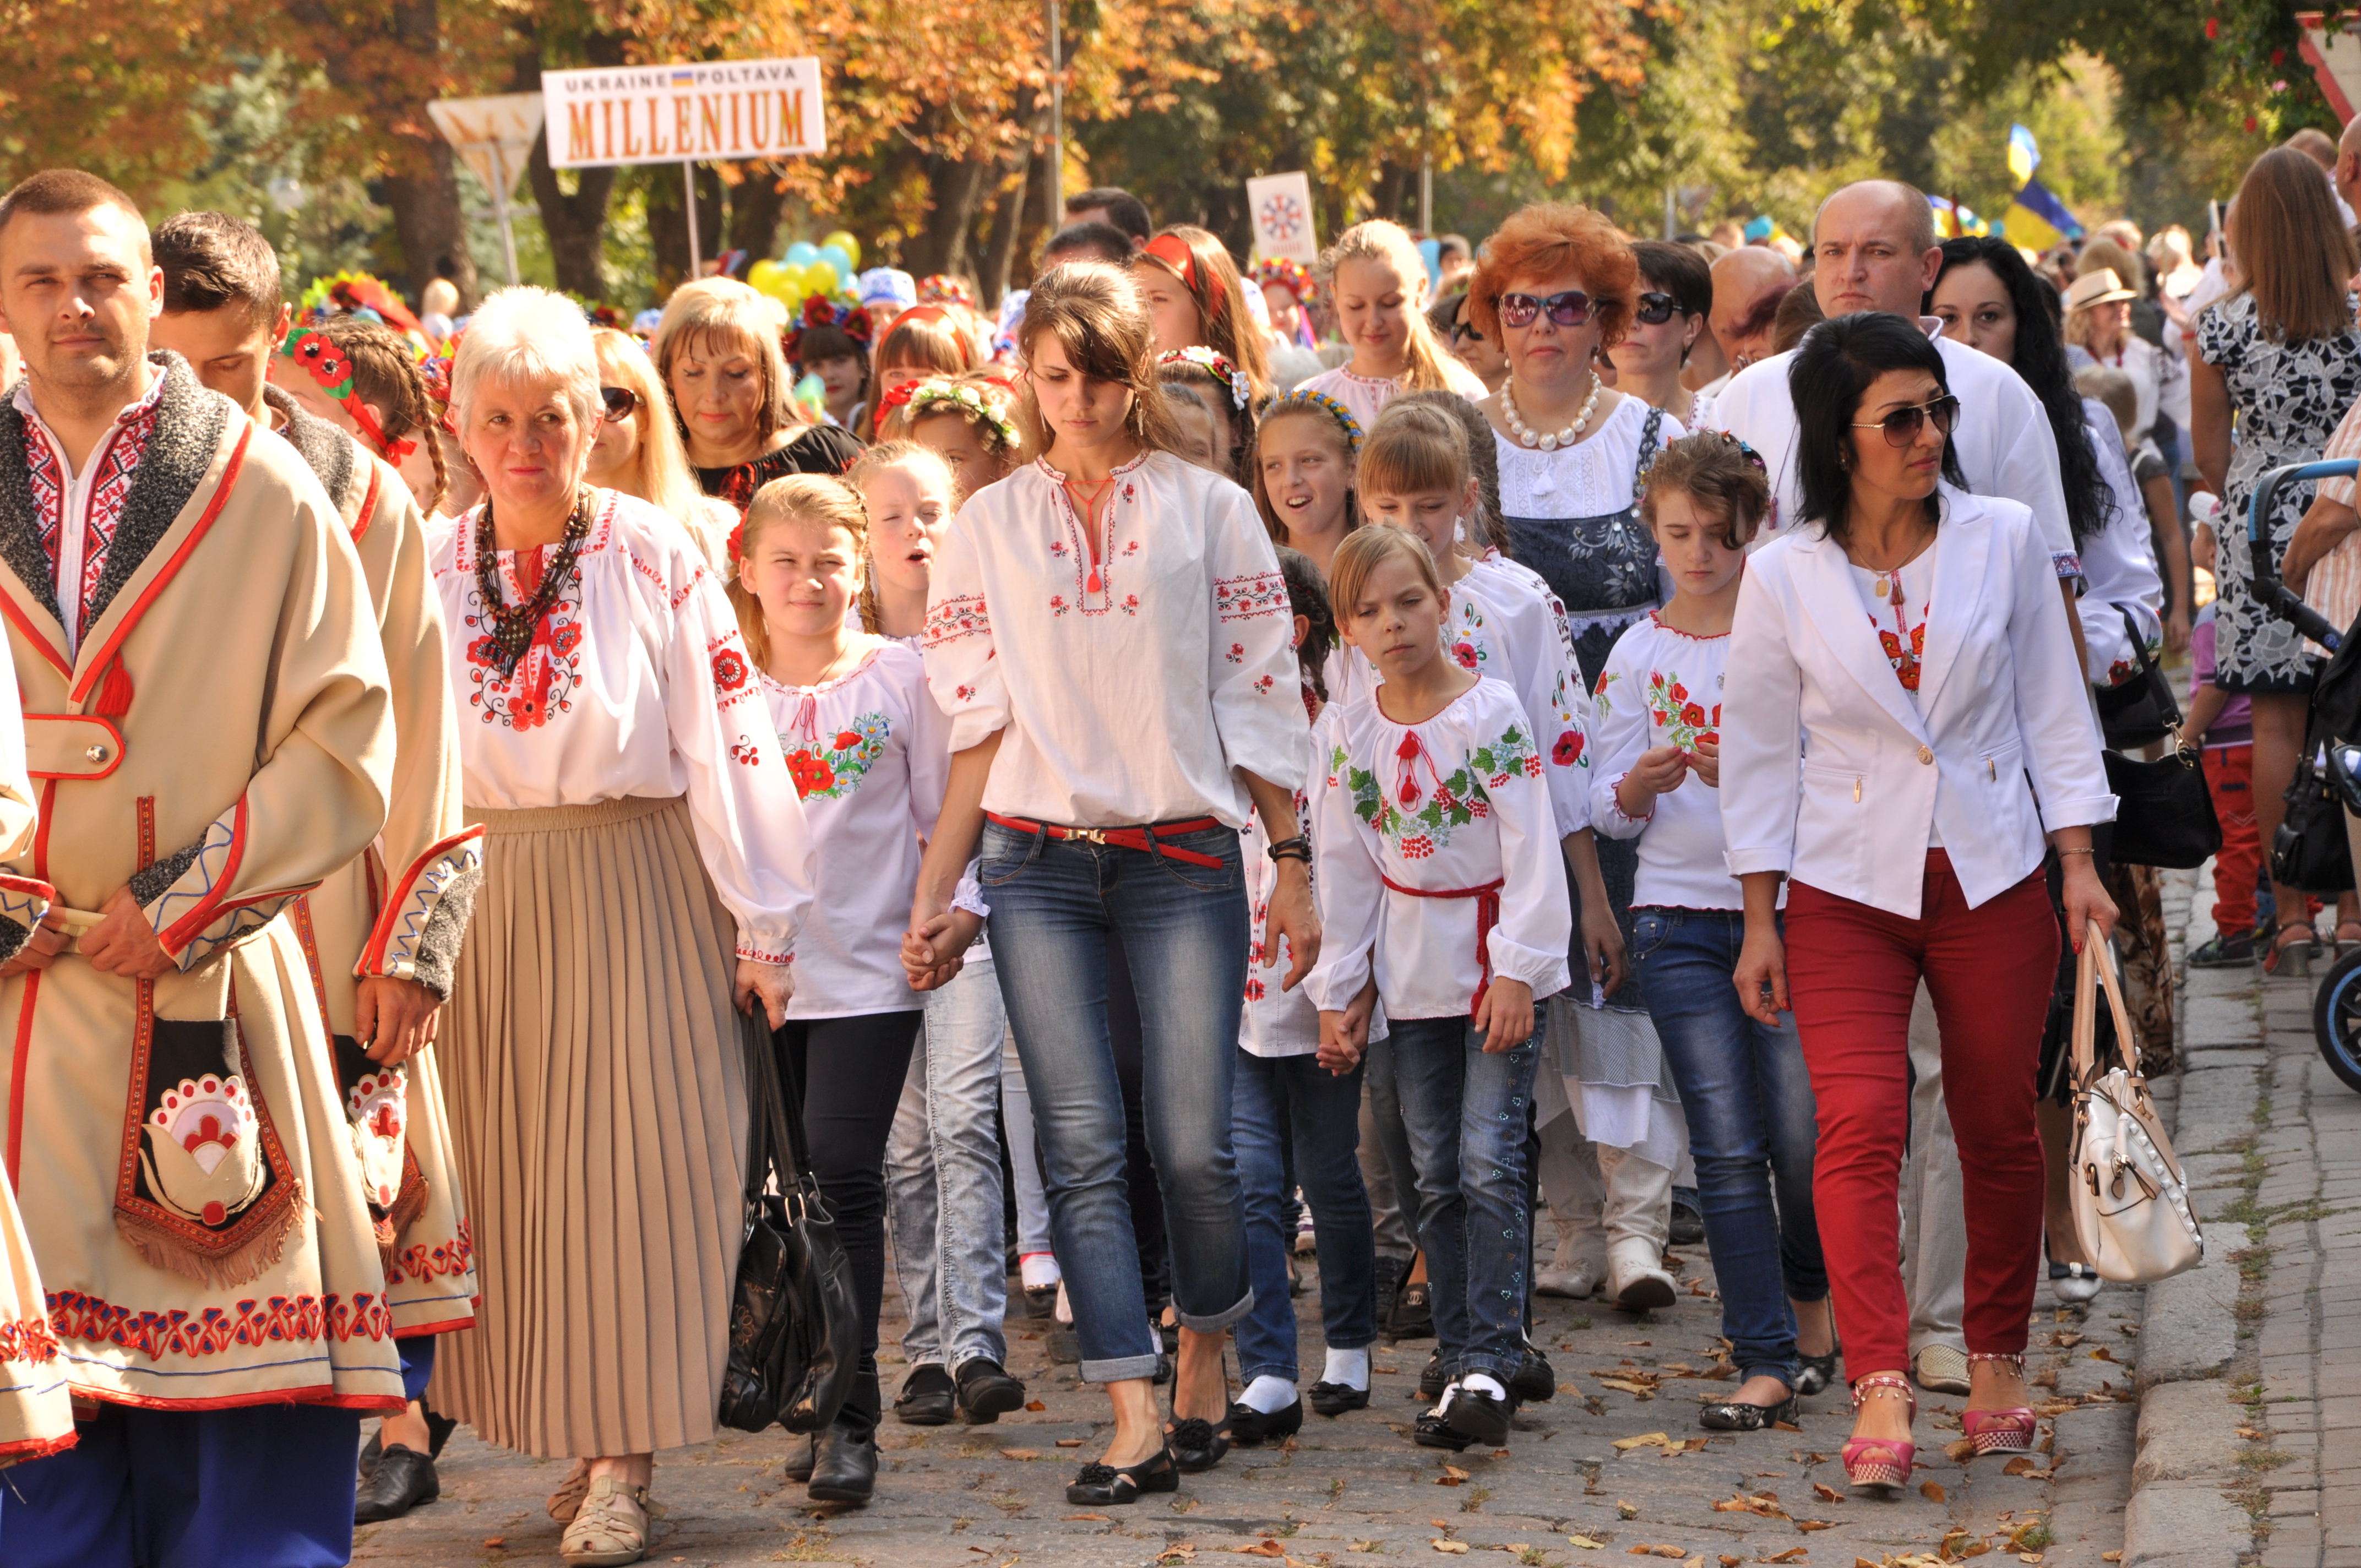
<point x="2038" y="221"/>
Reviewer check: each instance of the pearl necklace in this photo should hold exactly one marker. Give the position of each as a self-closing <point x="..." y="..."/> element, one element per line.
<point x="1565" y="437"/>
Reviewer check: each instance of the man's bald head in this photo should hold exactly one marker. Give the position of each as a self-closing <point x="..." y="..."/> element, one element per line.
<point x="1748" y="285"/>
<point x="2346" y="170"/>
<point x="1873" y="249"/>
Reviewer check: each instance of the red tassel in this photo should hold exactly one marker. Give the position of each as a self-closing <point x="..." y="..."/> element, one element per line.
<point x="115" y="691"/>
<point x="1094" y="584"/>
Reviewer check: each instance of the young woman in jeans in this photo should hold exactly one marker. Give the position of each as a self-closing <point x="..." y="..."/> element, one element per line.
<point x="1902" y="688"/>
<point x="1109" y="633"/>
<point x="1742" y="1084"/>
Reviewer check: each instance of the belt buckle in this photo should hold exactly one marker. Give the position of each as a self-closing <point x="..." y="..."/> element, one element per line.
<point x="1094" y="834"/>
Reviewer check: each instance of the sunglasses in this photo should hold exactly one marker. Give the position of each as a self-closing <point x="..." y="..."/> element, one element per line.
<point x="1571" y="308"/>
<point x="1656" y="309"/>
<point x="1903" y="425"/>
<point x="1464" y="331"/>
<point x="622" y="403"/>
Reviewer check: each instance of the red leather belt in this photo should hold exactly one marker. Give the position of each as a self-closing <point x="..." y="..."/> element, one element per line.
<point x="1141" y="838"/>
<point x="1487" y="914"/>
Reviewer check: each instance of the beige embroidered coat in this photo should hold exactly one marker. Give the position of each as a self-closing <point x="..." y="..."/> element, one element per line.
<point x="402" y="909"/>
<point x="221" y="741"/>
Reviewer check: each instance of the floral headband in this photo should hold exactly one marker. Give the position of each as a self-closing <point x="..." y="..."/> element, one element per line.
<point x="328" y="367"/>
<point x="1304" y="400"/>
<point x="1213" y="364"/>
<point x="942" y="289"/>
<point x="1291" y="276"/>
<point x="1174" y="252"/>
<point x="936" y="395"/>
<point x="822" y="311"/>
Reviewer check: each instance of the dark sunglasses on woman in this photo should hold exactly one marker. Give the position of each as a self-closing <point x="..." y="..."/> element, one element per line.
<point x="1902" y="426"/>
<point x="621" y="402"/>
<point x="1570" y="308"/>
<point x="1656" y="308"/>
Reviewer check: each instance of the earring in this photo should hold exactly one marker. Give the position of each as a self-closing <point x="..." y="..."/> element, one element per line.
<point x="1459" y="531"/>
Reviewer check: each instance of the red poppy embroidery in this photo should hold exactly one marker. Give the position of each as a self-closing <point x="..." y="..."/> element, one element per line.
<point x="847" y="740"/>
<point x="729" y="670"/>
<point x="1568" y="750"/>
<point x="811" y="773"/>
<point x="1693" y="714"/>
<point x="1466" y="654"/>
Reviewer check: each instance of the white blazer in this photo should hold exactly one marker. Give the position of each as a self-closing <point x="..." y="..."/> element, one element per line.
<point x="1830" y="773"/>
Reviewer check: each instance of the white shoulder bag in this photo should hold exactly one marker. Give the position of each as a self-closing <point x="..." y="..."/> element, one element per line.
<point x="2131" y="1206"/>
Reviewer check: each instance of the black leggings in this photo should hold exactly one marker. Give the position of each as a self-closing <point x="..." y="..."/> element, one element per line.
<point x="851" y="1071"/>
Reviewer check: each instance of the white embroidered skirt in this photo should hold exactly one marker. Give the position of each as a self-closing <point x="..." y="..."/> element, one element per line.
<point x="593" y="1072"/>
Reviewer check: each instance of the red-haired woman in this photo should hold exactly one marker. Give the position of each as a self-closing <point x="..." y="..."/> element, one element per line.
<point x="1196" y="300"/>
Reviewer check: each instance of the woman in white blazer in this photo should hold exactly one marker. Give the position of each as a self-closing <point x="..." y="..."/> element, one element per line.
<point x="1905" y="725"/>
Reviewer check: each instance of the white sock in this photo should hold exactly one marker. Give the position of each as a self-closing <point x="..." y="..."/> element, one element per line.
<point x="1483" y="1382"/>
<point x="1350" y="1367"/>
<point x="1267" y="1395"/>
<point x="1039" y="1271"/>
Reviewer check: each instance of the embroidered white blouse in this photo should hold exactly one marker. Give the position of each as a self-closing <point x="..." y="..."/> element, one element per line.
<point x="870" y="753"/>
<point x="1131" y="673"/>
<point x="1451" y="805"/>
<point x="2118" y="563"/>
<point x="637" y="684"/>
<point x="1662" y="687"/>
<point x="1368" y="396"/>
<point x="1505" y="625"/>
<point x="1590" y="479"/>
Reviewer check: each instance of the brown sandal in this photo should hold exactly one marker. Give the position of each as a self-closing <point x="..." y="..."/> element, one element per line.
<point x="2293" y="950"/>
<point x="612" y="1528"/>
<point x="566" y="1501"/>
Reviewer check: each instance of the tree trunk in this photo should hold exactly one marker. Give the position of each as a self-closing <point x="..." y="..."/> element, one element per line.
<point x="1007" y="222"/>
<point x="757" y="204"/>
<point x="432" y="229"/>
<point x="575" y="225"/>
<point x="955" y="185"/>
<point x="668" y="226"/>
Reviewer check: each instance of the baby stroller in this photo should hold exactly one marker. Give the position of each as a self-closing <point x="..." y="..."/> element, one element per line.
<point x="2320" y="843"/>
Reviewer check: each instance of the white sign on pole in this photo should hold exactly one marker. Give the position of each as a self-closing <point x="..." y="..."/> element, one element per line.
<point x="494" y="137"/>
<point x="1282" y="205"/>
<point x="683" y="114"/>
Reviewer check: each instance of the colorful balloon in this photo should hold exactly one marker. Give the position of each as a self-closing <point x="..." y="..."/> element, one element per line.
<point x="803" y="253"/>
<point x="837" y="257"/>
<point x="847" y="244"/>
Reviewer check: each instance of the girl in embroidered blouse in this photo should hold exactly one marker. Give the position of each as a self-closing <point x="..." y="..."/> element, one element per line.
<point x="1195" y="299"/>
<point x="969" y="420"/>
<point x="1227" y="394"/>
<point x="1430" y="820"/>
<point x="925" y="341"/>
<point x="1742" y="1084"/>
<point x="1303" y="474"/>
<point x="1376" y="284"/>
<point x="1108" y="631"/>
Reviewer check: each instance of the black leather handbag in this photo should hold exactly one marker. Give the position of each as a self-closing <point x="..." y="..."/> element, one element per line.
<point x="795" y="1330"/>
<point x="2142" y="710"/>
<point x="2312" y="849"/>
<point x="2164" y="813"/>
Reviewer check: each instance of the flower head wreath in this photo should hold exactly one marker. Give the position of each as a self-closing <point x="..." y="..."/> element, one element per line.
<point x="822" y="311"/>
<point x="1291" y="276"/>
<point x="937" y="395"/>
<point x="328" y="367"/>
<point x="1304" y="400"/>
<point x="1213" y="365"/>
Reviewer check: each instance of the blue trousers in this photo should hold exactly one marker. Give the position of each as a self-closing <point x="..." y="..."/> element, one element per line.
<point x="1278" y="1099"/>
<point x="258" y="1486"/>
<point x="417" y="1365"/>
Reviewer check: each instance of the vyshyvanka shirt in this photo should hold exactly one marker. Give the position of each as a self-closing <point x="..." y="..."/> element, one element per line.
<point x="637" y="682"/>
<point x="870" y="753"/>
<point x="1368" y="396"/>
<point x="1662" y="687"/>
<point x="1130" y="666"/>
<point x="1435" y="857"/>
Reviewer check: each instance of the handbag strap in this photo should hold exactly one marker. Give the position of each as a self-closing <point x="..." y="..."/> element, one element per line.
<point x="2091" y="968"/>
<point x="777" y="1131"/>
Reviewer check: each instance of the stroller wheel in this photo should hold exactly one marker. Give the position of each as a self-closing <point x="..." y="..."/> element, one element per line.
<point x="2337" y="1019"/>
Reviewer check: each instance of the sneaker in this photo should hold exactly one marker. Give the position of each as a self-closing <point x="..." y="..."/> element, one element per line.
<point x="1303" y="1243"/>
<point x="2221" y="951"/>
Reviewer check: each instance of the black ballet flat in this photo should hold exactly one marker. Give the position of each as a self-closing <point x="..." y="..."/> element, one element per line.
<point x="1250" y="1428"/>
<point x="1534" y="1381"/>
<point x="1736" y="1415"/>
<point x="1198" y="1445"/>
<point x="1107" y="1485"/>
<point x="1333" y="1399"/>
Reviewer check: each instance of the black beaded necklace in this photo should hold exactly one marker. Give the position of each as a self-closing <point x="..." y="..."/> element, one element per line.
<point x="511" y="628"/>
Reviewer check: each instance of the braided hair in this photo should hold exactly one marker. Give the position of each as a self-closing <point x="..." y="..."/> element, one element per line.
<point x="386" y="376"/>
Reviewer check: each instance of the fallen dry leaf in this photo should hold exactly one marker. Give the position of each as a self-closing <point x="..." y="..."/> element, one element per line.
<point x="1088" y="1518"/>
<point x="1585" y="1542"/>
<point x="1808" y="1526"/>
<point x="2111" y="1557"/>
<point x="2046" y="1378"/>
<point x="1569" y="1388"/>
<point x="2066" y="1338"/>
<point x="1933" y="1491"/>
<point x="1826" y="1493"/>
<point x="1020" y="1453"/>
<point x="1627" y="1443"/>
<point x="1792" y="1554"/>
<point x="1035" y="1406"/>
<point x="1726" y="1561"/>
<point x="1069" y="1442"/>
<point x="1627" y="1385"/>
<point x="1452" y="1476"/>
<point x="1264" y="1547"/>
<point x="2021" y="1466"/>
<point x="1456" y="1548"/>
<point x="2103" y="1354"/>
<point x="1627" y="1510"/>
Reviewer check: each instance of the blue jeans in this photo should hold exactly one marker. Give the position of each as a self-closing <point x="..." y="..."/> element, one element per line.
<point x="1747" y="1099"/>
<point x="1277" y="1098"/>
<point x="1054" y="902"/>
<point x="1467" y="1112"/>
<point x="942" y="1180"/>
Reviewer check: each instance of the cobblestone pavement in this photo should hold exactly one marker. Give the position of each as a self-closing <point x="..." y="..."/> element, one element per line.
<point x="1615" y="1465"/>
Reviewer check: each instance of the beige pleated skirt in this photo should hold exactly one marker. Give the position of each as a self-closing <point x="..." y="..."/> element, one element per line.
<point x="595" y="1084"/>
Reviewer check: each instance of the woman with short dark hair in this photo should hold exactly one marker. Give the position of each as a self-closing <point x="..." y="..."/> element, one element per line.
<point x="1901" y="689"/>
<point x="1668" y="317"/>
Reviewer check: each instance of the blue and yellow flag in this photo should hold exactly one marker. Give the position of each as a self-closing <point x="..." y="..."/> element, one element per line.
<point x="2037" y="220"/>
<point x="2023" y="156"/>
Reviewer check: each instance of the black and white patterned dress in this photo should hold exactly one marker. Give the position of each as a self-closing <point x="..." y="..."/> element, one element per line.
<point x="2290" y="399"/>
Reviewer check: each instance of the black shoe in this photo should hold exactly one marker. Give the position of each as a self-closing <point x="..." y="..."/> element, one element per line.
<point x="844" y="1467"/>
<point x="1478" y="1417"/>
<point x="1250" y="1428"/>
<point x="1733" y="1415"/>
<point x="1433" y="1379"/>
<point x="1103" y="1486"/>
<point x="1333" y="1399"/>
<point x="986" y="1391"/>
<point x="1391" y="1272"/>
<point x="401" y="1479"/>
<point x="2219" y="951"/>
<point x="1169" y="1333"/>
<point x="799" y="1463"/>
<point x="1432" y="1430"/>
<point x="1814" y="1372"/>
<point x="1163" y="1372"/>
<point x="1412" y="1317"/>
<point x="438" y="1431"/>
<point x="1688" y="1220"/>
<point x="1533" y="1382"/>
<point x="929" y="1398"/>
<point x="1198" y="1445"/>
<point x="370" y="1451"/>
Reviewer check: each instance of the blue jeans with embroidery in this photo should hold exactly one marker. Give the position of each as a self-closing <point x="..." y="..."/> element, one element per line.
<point x="1747" y="1099"/>
<point x="1183" y="927"/>
<point x="1467" y="1110"/>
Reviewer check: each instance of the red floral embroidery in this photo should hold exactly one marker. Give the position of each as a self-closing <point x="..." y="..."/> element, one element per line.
<point x="1466" y="654"/>
<point x="1693" y="714"/>
<point x="422" y="1262"/>
<point x="1237" y="654"/>
<point x="1256" y="990"/>
<point x="811" y="772"/>
<point x="962" y="693"/>
<point x="729" y="670"/>
<point x="1417" y="847"/>
<point x="1243" y="598"/>
<point x="1262" y="688"/>
<point x="28" y="1340"/>
<point x="1568" y="750"/>
<point x="285" y="1319"/>
<point x="746" y="751"/>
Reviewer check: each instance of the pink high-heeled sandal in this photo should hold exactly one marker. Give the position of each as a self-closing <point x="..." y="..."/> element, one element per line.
<point x="2008" y="1430"/>
<point x="1879" y="1461"/>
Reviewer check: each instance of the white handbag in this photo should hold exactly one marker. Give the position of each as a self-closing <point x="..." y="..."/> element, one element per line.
<point x="2131" y="1205"/>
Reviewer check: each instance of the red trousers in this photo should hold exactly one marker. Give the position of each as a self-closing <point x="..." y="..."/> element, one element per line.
<point x="2230" y="775"/>
<point x="1852" y="973"/>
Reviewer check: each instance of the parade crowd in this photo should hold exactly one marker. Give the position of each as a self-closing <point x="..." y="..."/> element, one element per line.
<point x="1103" y="757"/>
